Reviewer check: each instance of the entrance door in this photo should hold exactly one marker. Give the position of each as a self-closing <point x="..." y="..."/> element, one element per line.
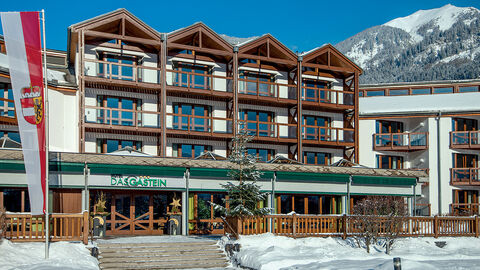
<point x="136" y="213"/>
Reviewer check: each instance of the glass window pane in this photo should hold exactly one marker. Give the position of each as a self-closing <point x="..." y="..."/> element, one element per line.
<point x="310" y="158"/>
<point x="465" y="89"/>
<point x="263" y="117"/>
<point x="313" y="205"/>
<point x="263" y="155"/>
<point x="286" y="204"/>
<point x="204" y="207"/>
<point x="112" y="145"/>
<point x="422" y="91"/>
<point x="200" y="111"/>
<point x="187" y="109"/>
<point x="443" y="90"/>
<point x="251" y="116"/>
<point x="127" y="143"/>
<point x="373" y="93"/>
<point x="398" y="92"/>
<point x="199" y="149"/>
<point x="299" y="204"/>
<point x="187" y="150"/>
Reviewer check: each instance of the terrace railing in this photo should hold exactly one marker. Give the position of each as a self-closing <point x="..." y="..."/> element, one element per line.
<point x="464" y="176"/>
<point x="328" y="134"/>
<point x="63" y="227"/>
<point x="465" y="139"/>
<point x="121" y="71"/>
<point x="260" y="129"/>
<point x="193" y="80"/>
<point x="267" y="89"/>
<point x="208" y="124"/>
<point x="345" y="226"/>
<point x="465" y="209"/>
<point x="328" y="96"/>
<point x="400" y="141"/>
<point x="122" y="117"/>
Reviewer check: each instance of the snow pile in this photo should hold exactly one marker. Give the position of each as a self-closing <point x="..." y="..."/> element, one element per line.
<point x="267" y="251"/>
<point x="63" y="255"/>
<point x="443" y="17"/>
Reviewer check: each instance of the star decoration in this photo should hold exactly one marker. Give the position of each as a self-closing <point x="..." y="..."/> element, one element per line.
<point x="175" y="203"/>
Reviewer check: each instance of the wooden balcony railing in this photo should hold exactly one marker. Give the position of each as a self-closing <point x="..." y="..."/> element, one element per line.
<point x="63" y="227"/>
<point x="400" y="141"/>
<point x="465" y="139"/>
<point x="328" y="134"/>
<point x="464" y="209"/>
<point x="345" y="226"/>
<point x="260" y="129"/>
<point x="267" y="89"/>
<point x="464" y="176"/>
<point x="121" y="71"/>
<point x="193" y="80"/>
<point x="122" y="117"/>
<point x="328" y="96"/>
<point x="207" y="124"/>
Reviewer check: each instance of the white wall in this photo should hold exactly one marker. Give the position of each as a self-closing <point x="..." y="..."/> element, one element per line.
<point x="149" y="143"/>
<point x="63" y="120"/>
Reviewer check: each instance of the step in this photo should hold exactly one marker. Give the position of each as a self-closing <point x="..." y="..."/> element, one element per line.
<point x="157" y="250"/>
<point x="166" y="264"/>
<point x="158" y="244"/>
<point x="163" y="258"/>
<point x="152" y="254"/>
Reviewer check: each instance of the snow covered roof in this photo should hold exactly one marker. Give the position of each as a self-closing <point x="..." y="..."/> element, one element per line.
<point x="347" y="163"/>
<point x="238" y="41"/>
<point x="279" y="159"/>
<point x="421" y="83"/>
<point x="211" y="155"/>
<point x="6" y="142"/>
<point x="129" y="151"/>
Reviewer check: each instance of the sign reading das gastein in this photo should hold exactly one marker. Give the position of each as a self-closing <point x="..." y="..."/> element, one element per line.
<point x="137" y="181"/>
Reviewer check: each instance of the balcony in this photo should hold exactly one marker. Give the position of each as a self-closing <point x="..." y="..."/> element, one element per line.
<point x="121" y="73"/>
<point x="465" y="139"/>
<point x="182" y="124"/>
<point x="328" y="135"/>
<point x="464" y="209"/>
<point x="400" y="141"/>
<point x="122" y="119"/>
<point x="199" y="83"/>
<point x="325" y="97"/>
<point x="464" y="177"/>
<point x="267" y="91"/>
<point x="268" y="131"/>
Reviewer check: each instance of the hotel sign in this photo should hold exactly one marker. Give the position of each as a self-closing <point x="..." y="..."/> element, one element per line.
<point x="137" y="181"/>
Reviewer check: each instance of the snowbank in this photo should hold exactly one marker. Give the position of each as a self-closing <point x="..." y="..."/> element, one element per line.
<point x="267" y="251"/>
<point x="63" y="255"/>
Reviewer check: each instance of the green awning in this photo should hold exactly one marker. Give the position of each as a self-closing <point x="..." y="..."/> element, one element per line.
<point x="312" y="177"/>
<point x="383" y="180"/>
<point x="219" y="173"/>
<point x="96" y="168"/>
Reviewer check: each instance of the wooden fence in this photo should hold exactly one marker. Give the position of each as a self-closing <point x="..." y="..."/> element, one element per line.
<point x="62" y="227"/>
<point x="326" y="225"/>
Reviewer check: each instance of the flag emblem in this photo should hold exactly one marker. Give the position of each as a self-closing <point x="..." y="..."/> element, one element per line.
<point x="32" y="104"/>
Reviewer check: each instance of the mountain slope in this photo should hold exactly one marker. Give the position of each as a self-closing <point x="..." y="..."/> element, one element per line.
<point x="435" y="44"/>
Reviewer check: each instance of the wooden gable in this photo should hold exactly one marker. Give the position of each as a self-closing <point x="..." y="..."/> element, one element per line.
<point x="267" y="48"/>
<point x="201" y="37"/>
<point x="329" y="58"/>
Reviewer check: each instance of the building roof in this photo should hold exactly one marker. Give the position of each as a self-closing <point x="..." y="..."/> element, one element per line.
<point x="420" y="83"/>
<point x="214" y="164"/>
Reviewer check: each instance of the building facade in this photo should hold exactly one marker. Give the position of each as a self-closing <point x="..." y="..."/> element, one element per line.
<point x="427" y="125"/>
<point x="135" y="114"/>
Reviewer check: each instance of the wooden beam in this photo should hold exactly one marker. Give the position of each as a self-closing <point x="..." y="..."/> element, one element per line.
<point x="268" y="59"/>
<point x="339" y="69"/>
<point x="152" y="42"/>
<point x="172" y="45"/>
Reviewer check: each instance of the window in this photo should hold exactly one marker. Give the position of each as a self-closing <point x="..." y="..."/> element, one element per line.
<point x="313" y="90"/>
<point x="263" y="155"/>
<point x="7" y="105"/>
<point x="398" y="92"/>
<point x="189" y="150"/>
<point x="14" y="135"/>
<point x="307" y="204"/>
<point x="121" y="111"/>
<point x="120" y="67"/>
<point x="316" y="158"/>
<point x="388" y="127"/>
<point x="257" y="123"/>
<point x="15" y="200"/>
<point x="443" y="90"/>
<point x="111" y="145"/>
<point x="375" y="93"/>
<point x="193" y="76"/>
<point x="466" y="89"/>
<point x="192" y="117"/>
<point x="463" y="124"/>
<point x="316" y="128"/>
<point x="421" y="91"/>
<point x="389" y="162"/>
<point x="256" y="83"/>
<point x="464" y="161"/>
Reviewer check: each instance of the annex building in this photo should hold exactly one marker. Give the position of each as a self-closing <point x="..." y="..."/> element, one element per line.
<point x="146" y="118"/>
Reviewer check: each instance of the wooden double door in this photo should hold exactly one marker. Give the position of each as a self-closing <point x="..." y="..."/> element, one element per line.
<point x="137" y="213"/>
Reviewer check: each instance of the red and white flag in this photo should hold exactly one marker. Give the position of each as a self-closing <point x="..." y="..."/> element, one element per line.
<point x="21" y="31"/>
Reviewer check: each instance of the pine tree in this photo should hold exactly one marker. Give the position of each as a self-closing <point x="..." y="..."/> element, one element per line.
<point x="243" y="198"/>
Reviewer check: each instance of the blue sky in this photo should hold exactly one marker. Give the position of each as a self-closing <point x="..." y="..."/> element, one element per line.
<point x="300" y="25"/>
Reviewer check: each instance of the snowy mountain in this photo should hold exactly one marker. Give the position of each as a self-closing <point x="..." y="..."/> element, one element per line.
<point x="435" y="44"/>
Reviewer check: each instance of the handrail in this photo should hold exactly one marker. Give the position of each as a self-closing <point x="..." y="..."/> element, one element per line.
<point x="137" y="119"/>
<point x="208" y="124"/>
<point x="331" y="134"/>
<point x="464" y="176"/>
<point x="332" y="96"/>
<point x="272" y="131"/>
<point x="109" y="74"/>
<point x="394" y="141"/>
<point x="465" y="138"/>
<point x="190" y="83"/>
<point x="272" y="91"/>
<point x="387" y="91"/>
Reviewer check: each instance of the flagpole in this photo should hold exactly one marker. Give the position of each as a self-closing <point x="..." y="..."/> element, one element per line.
<point x="45" y="94"/>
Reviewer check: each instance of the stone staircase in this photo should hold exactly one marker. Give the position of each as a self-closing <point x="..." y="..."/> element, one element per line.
<point x="168" y="255"/>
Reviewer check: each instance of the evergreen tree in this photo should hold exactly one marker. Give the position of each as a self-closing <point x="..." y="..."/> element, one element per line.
<point x="243" y="198"/>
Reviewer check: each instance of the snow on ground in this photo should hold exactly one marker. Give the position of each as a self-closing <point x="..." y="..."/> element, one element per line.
<point x="31" y="255"/>
<point x="267" y="251"/>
